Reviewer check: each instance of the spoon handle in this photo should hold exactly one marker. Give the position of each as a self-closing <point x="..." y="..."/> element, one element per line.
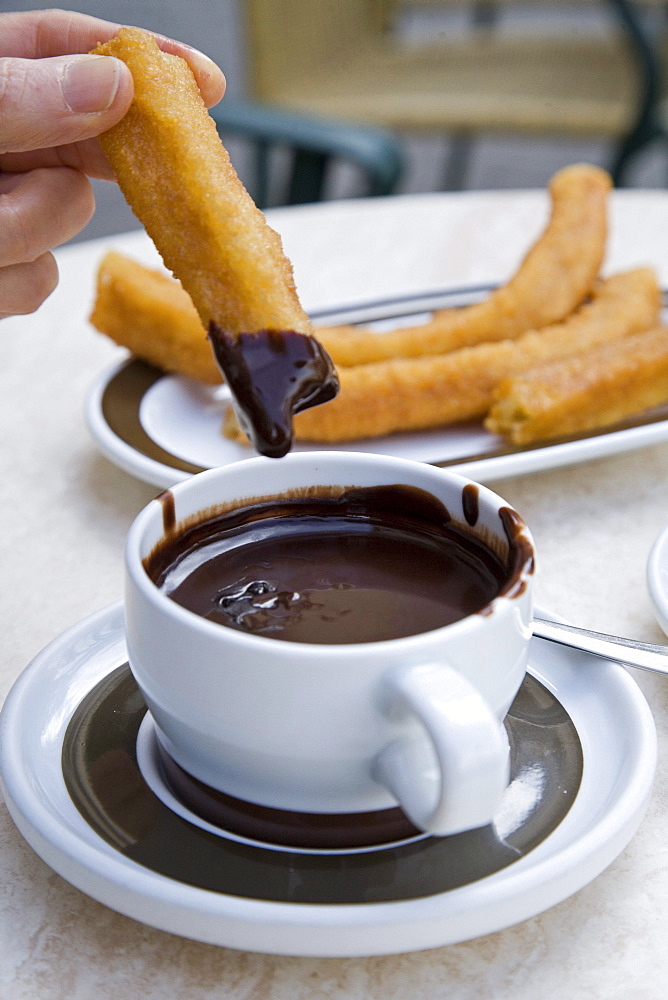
<point x="647" y="655"/>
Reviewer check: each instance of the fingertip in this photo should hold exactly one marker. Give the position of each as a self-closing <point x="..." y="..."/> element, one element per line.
<point x="24" y="287"/>
<point x="210" y="78"/>
<point x="45" y="278"/>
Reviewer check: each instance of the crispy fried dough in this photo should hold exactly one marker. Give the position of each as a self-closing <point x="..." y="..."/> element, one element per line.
<point x="589" y="390"/>
<point x="554" y="278"/>
<point x="149" y="313"/>
<point x="178" y="179"/>
<point x="416" y="393"/>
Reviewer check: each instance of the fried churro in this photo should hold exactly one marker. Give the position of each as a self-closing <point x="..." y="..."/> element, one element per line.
<point x="597" y="388"/>
<point x="178" y="179"/>
<point x="556" y="275"/>
<point x="553" y="279"/>
<point x="149" y="313"/>
<point x="417" y="393"/>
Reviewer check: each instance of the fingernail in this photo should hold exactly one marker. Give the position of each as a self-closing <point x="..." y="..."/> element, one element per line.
<point x="200" y="61"/>
<point x="90" y="83"/>
<point x="205" y="69"/>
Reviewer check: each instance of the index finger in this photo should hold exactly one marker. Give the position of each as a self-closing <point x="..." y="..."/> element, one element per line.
<point x="43" y="33"/>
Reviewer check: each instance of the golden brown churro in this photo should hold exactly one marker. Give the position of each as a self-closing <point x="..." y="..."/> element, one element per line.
<point x="178" y="179"/>
<point x="149" y="313"/>
<point x="556" y="275"/>
<point x="416" y="393"/>
<point x="554" y="278"/>
<point x="594" y="389"/>
<point x="548" y="377"/>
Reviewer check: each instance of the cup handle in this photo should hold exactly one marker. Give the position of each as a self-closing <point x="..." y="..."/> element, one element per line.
<point x="455" y="780"/>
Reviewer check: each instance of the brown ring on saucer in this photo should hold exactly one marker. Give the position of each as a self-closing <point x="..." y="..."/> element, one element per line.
<point x="106" y="786"/>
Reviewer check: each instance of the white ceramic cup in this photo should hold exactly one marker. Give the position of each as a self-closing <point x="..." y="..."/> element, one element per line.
<point x="336" y="728"/>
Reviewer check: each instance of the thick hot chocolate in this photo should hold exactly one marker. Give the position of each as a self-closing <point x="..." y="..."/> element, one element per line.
<point x="344" y="566"/>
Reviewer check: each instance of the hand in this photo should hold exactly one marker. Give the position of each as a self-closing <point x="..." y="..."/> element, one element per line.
<point x="54" y="101"/>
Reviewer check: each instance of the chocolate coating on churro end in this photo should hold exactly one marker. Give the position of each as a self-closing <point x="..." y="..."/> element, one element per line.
<point x="273" y="374"/>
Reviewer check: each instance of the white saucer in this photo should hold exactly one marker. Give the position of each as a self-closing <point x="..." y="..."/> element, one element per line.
<point x="657" y="579"/>
<point x="606" y="708"/>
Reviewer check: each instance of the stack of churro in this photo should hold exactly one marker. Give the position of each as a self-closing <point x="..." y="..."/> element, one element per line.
<point x="555" y="350"/>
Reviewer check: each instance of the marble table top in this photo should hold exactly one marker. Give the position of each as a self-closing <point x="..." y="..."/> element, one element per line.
<point x="65" y="511"/>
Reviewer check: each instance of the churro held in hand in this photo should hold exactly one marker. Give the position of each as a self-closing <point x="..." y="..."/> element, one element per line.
<point x="554" y="278"/>
<point x="594" y="389"/>
<point x="178" y="179"/>
<point x="411" y="394"/>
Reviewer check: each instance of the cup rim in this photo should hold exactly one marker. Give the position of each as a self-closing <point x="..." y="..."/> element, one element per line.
<point x="135" y="568"/>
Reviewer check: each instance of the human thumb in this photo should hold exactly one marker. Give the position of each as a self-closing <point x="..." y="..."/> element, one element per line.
<point x="51" y="102"/>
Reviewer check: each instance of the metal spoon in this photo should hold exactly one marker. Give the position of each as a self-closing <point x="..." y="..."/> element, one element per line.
<point x="647" y="655"/>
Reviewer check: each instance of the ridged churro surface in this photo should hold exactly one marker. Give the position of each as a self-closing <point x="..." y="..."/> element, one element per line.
<point x="178" y="179"/>
<point x="556" y="275"/>
<point x="416" y="393"/>
<point x="594" y="389"/>
<point x="420" y="378"/>
<point x="149" y="313"/>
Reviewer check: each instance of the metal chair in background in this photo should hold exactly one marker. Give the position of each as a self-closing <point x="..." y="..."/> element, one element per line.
<point x="293" y="154"/>
<point x="344" y="60"/>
